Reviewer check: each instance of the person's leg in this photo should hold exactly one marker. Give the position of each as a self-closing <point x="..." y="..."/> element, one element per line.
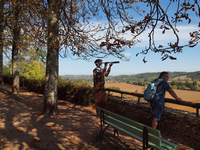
<point x="97" y="100"/>
<point x="104" y="99"/>
<point x="157" y="112"/>
<point x="154" y="123"/>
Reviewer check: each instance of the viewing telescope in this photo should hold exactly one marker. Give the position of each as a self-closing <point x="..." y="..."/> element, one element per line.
<point x="114" y="62"/>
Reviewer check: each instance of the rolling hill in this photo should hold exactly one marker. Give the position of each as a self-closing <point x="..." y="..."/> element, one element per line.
<point x="143" y="76"/>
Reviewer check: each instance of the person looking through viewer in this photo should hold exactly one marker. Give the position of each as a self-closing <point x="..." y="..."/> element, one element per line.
<point x="99" y="82"/>
<point x="158" y="105"/>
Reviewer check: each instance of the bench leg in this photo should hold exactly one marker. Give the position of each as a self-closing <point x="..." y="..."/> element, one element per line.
<point x="145" y="138"/>
<point x="116" y="131"/>
<point x="100" y="135"/>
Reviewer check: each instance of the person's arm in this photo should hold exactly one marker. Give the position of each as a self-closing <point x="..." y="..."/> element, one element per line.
<point x="104" y="70"/>
<point x="173" y="94"/>
<point x="108" y="70"/>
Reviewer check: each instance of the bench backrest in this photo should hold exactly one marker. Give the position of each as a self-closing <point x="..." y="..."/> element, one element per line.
<point x="133" y="128"/>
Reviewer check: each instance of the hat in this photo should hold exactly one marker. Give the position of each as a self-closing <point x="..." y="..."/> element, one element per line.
<point x="97" y="61"/>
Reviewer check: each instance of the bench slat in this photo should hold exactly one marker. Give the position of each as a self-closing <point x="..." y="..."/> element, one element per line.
<point x="133" y="123"/>
<point x="169" y="147"/>
<point x="132" y="129"/>
<point x="135" y="136"/>
<point x="169" y="143"/>
<point x="135" y="130"/>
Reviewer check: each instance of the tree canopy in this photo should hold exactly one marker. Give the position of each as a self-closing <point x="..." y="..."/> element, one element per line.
<point x="92" y="28"/>
<point x="154" y="14"/>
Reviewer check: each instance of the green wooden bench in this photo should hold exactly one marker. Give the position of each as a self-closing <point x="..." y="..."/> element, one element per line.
<point x="150" y="137"/>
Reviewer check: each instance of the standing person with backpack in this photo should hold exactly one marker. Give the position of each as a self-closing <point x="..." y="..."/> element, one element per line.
<point x="158" y="104"/>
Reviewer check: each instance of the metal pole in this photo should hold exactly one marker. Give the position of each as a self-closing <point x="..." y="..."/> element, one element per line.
<point x="138" y="100"/>
<point x="197" y="113"/>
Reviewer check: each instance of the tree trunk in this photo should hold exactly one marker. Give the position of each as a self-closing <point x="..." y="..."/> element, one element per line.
<point x="1" y="40"/>
<point x="15" y="49"/>
<point x="51" y="82"/>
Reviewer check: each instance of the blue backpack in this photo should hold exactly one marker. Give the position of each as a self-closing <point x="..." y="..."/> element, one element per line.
<point x="150" y="93"/>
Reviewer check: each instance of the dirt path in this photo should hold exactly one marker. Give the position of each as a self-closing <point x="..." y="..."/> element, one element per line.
<point x="23" y="127"/>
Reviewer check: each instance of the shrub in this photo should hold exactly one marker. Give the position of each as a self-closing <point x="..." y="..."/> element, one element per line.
<point x="76" y="93"/>
<point x="81" y="94"/>
<point x="7" y="79"/>
<point x="114" y="88"/>
<point x="36" y="86"/>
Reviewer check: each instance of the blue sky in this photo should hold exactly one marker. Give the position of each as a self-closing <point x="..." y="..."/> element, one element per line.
<point x="187" y="61"/>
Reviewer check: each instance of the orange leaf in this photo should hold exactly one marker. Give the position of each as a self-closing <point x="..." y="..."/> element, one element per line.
<point x="144" y="60"/>
<point x="189" y="21"/>
<point x="194" y="40"/>
<point x="185" y="10"/>
<point x="172" y="58"/>
<point x="164" y="57"/>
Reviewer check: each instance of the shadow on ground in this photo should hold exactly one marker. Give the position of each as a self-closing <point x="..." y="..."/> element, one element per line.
<point x="22" y="126"/>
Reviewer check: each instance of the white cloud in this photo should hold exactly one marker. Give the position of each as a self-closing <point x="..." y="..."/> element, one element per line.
<point x="163" y="39"/>
<point x="160" y="39"/>
<point x="127" y="54"/>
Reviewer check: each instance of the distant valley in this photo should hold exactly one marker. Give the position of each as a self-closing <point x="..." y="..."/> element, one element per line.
<point x="178" y="80"/>
<point x="178" y="76"/>
<point x="76" y="76"/>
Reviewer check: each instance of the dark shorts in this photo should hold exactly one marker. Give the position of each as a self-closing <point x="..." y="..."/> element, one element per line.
<point x="157" y="110"/>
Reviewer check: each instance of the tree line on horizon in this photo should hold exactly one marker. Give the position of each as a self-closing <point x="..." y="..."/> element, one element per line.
<point x="178" y="80"/>
<point x="146" y="76"/>
<point x="149" y="77"/>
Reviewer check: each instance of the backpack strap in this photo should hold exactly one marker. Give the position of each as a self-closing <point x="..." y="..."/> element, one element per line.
<point x="157" y="83"/>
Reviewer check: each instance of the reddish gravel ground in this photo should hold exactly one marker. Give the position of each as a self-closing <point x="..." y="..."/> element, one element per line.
<point x="23" y="127"/>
